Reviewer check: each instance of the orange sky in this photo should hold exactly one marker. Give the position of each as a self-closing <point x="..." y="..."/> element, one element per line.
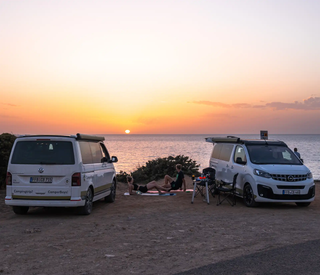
<point x="159" y="66"/>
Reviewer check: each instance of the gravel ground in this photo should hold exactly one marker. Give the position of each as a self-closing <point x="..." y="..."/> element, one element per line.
<point x="148" y="235"/>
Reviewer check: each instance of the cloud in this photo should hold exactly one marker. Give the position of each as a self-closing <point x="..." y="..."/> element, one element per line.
<point x="222" y="105"/>
<point x="312" y="103"/>
<point x="9" y="104"/>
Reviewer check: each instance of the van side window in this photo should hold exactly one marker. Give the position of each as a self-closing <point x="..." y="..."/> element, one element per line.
<point x="216" y="151"/>
<point x="85" y="152"/>
<point x="96" y="152"/>
<point x="226" y="152"/>
<point x="239" y="153"/>
<point x="104" y="151"/>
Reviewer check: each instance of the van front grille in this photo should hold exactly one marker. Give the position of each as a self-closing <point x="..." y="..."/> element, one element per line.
<point x="289" y="178"/>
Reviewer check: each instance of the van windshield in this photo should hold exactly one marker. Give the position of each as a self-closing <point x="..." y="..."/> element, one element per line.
<point x="43" y="152"/>
<point x="272" y="154"/>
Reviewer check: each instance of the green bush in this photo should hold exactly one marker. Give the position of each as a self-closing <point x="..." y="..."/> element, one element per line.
<point x="6" y="142"/>
<point x="156" y="169"/>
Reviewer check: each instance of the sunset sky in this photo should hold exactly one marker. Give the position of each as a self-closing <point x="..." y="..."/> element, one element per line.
<point x="159" y="67"/>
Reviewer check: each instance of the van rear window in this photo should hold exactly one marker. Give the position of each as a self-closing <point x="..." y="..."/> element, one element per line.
<point x="43" y="152"/>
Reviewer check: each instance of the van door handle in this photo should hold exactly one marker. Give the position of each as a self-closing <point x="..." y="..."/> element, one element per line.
<point x="231" y="166"/>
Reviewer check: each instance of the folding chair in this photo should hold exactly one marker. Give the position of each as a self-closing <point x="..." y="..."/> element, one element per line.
<point x="228" y="190"/>
<point x="204" y="185"/>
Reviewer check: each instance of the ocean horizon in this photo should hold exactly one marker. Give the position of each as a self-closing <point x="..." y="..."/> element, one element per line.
<point x="134" y="150"/>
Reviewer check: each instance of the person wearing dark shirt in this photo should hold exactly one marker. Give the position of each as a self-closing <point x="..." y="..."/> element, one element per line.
<point x="297" y="153"/>
<point x="143" y="188"/>
<point x="175" y="184"/>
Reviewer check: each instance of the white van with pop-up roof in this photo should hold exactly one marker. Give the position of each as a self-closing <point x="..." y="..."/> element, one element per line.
<point x="59" y="171"/>
<point x="268" y="171"/>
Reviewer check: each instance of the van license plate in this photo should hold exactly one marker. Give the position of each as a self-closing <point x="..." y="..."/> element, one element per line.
<point x="41" y="180"/>
<point x="291" y="192"/>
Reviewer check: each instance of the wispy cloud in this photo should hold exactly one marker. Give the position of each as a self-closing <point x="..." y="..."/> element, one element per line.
<point x="312" y="103"/>
<point x="9" y="104"/>
<point x="222" y="105"/>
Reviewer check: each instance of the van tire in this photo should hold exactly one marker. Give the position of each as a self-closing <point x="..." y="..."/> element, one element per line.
<point x="87" y="208"/>
<point x="303" y="204"/>
<point x="112" y="196"/>
<point x="248" y="196"/>
<point x="20" y="210"/>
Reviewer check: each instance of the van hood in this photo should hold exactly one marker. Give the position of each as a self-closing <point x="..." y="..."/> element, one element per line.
<point x="283" y="169"/>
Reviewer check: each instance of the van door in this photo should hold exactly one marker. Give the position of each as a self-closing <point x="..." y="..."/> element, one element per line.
<point x="110" y="171"/>
<point x="98" y="168"/>
<point x="102" y="169"/>
<point x="87" y="167"/>
<point x="241" y="168"/>
<point x="214" y="159"/>
<point x="225" y="165"/>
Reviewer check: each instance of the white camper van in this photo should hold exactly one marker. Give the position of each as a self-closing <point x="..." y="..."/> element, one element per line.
<point x="59" y="171"/>
<point x="268" y="171"/>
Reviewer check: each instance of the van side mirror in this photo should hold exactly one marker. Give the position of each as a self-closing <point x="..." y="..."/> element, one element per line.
<point x="113" y="159"/>
<point x="240" y="161"/>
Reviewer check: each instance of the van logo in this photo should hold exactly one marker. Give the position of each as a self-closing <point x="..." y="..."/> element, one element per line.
<point x="290" y="178"/>
<point x="40" y="170"/>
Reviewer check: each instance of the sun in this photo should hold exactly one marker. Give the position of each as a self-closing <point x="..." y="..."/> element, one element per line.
<point x="127" y="131"/>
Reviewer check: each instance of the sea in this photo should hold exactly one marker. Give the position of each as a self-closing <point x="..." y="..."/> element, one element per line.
<point x="135" y="150"/>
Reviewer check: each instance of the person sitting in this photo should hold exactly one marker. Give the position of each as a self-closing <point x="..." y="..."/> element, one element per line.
<point x="143" y="188"/>
<point x="177" y="183"/>
<point x="297" y="153"/>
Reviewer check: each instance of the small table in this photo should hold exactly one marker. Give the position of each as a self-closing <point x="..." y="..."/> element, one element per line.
<point x="203" y="186"/>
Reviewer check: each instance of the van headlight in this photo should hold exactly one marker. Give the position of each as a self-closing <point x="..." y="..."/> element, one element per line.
<point x="309" y="175"/>
<point x="261" y="173"/>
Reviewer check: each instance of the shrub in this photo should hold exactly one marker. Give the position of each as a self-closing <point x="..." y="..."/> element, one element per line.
<point x="6" y="142"/>
<point x="158" y="168"/>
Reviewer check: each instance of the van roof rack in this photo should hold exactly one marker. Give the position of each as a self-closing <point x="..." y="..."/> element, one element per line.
<point x="77" y="137"/>
<point x="89" y="137"/>
<point x="228" y="139"/>
<point x="233" y="139"/>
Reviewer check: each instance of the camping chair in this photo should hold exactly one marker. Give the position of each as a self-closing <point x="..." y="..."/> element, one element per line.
<point x="228" y="190"/>
<point x="204" y="185"/>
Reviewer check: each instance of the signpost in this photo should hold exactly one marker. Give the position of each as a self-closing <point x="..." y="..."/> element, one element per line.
<point x="263" y="134"/>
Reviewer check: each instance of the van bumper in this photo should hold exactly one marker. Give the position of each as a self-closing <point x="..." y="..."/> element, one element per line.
<point x="266" y="194"/>
<point x="73" y="202"/>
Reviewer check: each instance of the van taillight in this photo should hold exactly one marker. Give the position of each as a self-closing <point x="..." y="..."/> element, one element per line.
<point x="9" y="179"/>
<point x="76" y="179"/>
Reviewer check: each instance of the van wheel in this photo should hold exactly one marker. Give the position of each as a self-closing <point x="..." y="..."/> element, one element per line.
<point x="112" y="196"/>
<point x="248" y="196"/>
<point x="303" y="204"/>
<point x="87" y="208"/>
<point x="20" y="210"/>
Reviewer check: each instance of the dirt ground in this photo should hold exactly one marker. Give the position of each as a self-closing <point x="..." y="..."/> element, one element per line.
<point x="147" y="234"/>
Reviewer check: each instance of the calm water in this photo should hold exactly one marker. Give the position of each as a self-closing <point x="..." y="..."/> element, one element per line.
<point x="135" y="150"/>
